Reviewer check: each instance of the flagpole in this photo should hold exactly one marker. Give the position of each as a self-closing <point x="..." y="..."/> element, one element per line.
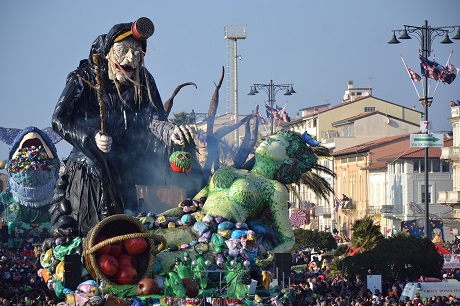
<point x="447" y="63"/>
<point x="407" y="69"/>
<point x="448" y="59"/>
<point x="434" y="91"/>
<point x="259" y="113"/>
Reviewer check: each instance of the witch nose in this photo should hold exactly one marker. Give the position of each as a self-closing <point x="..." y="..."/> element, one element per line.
<point x="129" y="55"/>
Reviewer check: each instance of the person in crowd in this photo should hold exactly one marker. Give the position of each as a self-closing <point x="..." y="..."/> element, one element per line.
<point x="345" y="201"/>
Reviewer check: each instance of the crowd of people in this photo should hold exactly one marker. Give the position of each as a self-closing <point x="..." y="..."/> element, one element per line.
<point x="20" y="284"/>
<point x="311" y="286"/>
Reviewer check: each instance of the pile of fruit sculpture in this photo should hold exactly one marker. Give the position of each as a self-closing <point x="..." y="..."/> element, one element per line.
<point x="118" y="261"/>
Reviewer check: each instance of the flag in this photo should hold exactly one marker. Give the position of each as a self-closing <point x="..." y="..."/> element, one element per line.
<point x="283" y="114"/>
<point x="262" y="119"/>
<point x="413" y="75"/>
<point x="428" y="68"/>
<point x="451" y="73"/>
<point x="438" y="72"/>
<point x="286" y="117"/>
<point x="336" y="205"/>
<point x="271" y="112"/>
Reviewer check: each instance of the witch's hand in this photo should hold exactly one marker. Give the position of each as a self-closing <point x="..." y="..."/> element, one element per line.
<point x="103" y="142"/>
<point x="182" y="134"/>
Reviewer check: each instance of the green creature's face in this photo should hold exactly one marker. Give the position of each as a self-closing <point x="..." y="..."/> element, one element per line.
<point x="274" y="147"/>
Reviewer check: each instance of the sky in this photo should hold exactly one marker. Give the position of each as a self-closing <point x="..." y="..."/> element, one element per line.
<point x="318" y="46"/>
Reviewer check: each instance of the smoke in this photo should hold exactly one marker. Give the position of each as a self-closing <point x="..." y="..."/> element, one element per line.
<point x="129" y="212"/>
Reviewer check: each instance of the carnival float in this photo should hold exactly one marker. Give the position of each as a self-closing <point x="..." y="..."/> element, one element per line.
<point x="216" y="246"/>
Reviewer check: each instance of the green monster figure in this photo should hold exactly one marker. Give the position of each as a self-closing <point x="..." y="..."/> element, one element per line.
<point x="259" y="195"/>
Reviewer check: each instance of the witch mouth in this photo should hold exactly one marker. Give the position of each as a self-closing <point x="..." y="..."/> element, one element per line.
<point x="127" y="68"/>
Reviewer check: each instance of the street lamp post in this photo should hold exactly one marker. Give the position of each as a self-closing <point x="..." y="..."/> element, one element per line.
<point x="426" y="35"/>
<point x="271" y="89"/>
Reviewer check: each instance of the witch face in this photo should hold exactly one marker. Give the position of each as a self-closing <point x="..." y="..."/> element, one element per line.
<point x="124" y="59"/>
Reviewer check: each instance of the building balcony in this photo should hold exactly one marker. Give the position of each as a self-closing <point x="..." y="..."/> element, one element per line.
<point x="348" y="208"/>
<point x="373" y="210"/>
<point x="387" y="209"/>
<point x="328" y="136"/>
<point x="449" y="197"/>
<point x="324" y="211"/>
<point x="451" y="154"/>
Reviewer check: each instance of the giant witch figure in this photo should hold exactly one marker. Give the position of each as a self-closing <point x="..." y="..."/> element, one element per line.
<point x="114" y="88"/>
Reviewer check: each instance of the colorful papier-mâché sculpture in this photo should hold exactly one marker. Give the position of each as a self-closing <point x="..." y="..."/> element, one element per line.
<point x="112" y="114"/>
<point x="33" y="168"/>
<point x="256" y="197"/>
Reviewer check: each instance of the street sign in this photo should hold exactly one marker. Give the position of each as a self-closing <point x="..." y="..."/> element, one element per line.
<point x="427" y="140"/>
<point x="425" y="126"/>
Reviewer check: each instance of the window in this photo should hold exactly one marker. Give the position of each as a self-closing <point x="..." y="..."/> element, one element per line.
<point x="434" y="165"/>
<point x="360" y="158"/>
<point x="445" y="166"/>
<point x="343" y="160"/>
<point x="369" y="109"/>
<point x="419" y="165"/>
<point x="351" y="159"/>
<point x="416" y="166"/>
<point x="346" y="130"/>
<point x="423" y="194"/>
<point x="359" y="93"/>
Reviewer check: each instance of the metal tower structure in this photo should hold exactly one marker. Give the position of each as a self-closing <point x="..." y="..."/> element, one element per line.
<point x="232" y="34"/>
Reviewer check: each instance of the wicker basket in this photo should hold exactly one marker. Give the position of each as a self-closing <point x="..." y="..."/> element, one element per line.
<point x="119" y="228"/>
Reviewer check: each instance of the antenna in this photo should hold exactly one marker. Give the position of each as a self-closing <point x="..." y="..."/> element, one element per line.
<point x="370" y="79"/>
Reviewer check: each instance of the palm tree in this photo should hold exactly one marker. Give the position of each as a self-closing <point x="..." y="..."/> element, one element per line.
<point x="179" y="118"/>
<point x="366" y="234"/>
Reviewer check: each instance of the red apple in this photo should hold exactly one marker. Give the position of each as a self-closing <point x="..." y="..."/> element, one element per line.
<point x="127" y="260"/>
<point x="116" y="249"/>
<point x="180" y="161"/>
<point x="104" y="249"/>
<point x="147" y="286"/>
<point x="135" y="246"/>
<point x="108" y="264"/>
<point x="126" y="275"/>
